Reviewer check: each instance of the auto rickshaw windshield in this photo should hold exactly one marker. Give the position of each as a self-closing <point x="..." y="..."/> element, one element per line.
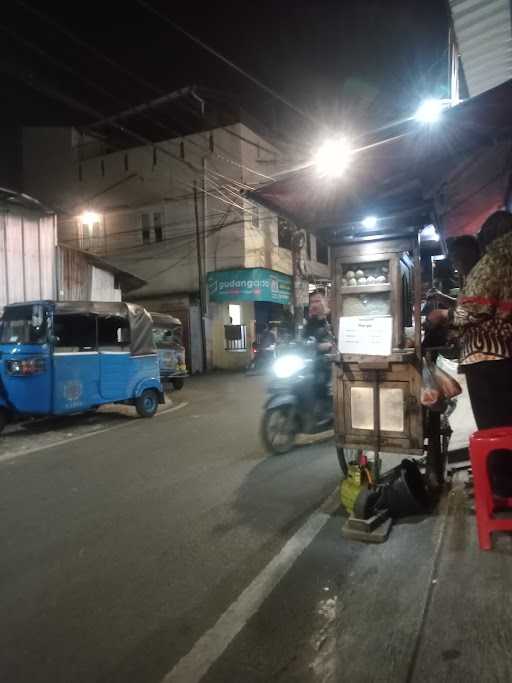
<point x="25" y="324"/>
<point x="167" y="336"/>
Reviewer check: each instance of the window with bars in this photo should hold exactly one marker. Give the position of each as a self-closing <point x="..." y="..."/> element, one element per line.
<point x="284" y="233"/>
<point x="157" y="225"/>
<point x="146" y="234"/>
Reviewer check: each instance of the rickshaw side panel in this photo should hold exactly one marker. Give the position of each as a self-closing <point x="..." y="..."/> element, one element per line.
<point x="76" y="381"/>
<point x="87" y="379"/>
<point x="116" y="370"/>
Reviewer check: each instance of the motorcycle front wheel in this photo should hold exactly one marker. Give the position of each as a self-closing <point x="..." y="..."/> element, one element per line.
<point x="279" y="429"/>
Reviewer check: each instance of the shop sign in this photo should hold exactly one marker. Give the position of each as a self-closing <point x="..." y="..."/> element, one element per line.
<point x="250" y="284"/>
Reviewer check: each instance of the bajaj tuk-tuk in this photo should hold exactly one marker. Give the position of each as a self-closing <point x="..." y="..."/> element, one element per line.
<point x="167" y="335"/>
<point x="68" y="357"/>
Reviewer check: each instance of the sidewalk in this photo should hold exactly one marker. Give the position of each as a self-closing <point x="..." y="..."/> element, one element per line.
<point x="427" y="605"/>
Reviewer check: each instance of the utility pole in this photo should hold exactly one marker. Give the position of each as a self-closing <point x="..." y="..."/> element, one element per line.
<point x="297" y="279"/>
<point x="202" y="302"/>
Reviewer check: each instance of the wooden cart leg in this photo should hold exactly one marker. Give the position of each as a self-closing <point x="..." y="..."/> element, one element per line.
<point x="342" y="460"/>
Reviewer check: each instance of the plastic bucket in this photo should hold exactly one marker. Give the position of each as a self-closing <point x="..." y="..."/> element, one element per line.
<point x="407" y="493"/>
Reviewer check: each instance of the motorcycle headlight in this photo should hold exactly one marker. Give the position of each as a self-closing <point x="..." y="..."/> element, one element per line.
<point x="286" y="366"/>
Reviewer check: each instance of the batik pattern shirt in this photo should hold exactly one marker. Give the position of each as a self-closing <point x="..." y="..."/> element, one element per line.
<point x="483" y="314"/>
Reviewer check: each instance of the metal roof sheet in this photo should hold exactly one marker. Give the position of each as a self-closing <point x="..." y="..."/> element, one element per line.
<point x="484" y="36"/>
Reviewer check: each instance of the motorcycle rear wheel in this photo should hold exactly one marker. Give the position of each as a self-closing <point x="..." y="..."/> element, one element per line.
<point x="279" y="429"/>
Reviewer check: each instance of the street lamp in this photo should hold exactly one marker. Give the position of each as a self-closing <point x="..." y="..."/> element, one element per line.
<point x="429" y="232"/>
<point x="89" y="218"/>
<point x="430" y="111"/>
<point x="369" y="222"/>
<point x="333" y="157"/>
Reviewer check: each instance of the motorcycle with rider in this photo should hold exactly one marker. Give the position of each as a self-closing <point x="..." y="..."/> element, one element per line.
<point x="300" y="392"/>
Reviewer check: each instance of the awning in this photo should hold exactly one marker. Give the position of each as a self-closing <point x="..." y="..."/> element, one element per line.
<point x="455" y="173"/>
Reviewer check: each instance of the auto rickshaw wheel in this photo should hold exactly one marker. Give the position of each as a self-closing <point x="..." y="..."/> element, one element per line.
<point x="177" y="383"/>
<point x="147" y="403"/>
<point x="4" y="418"/>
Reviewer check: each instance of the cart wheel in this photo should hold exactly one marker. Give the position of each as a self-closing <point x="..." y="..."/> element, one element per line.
<point x="279" y="429"/>
<point x="177" y="384"/>
<point x="342" y="460"/>
<point x="147" y="403"/>
<point x="436" y="453"/>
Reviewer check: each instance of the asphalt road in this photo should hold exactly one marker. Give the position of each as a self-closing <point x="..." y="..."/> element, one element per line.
<point x="120" y="550"/>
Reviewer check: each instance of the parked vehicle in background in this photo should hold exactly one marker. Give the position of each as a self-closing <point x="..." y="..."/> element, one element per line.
<point x="265" y="349"/>
<point x="68" y="357"/>
<point x="168" y="339"/>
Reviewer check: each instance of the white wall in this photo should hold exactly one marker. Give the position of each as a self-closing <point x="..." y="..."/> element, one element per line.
<point x="103" y="286"/>
<point x="27" y="255"/>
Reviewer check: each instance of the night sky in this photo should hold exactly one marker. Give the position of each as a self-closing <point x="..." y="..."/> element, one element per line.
<point x="347" y="64"/>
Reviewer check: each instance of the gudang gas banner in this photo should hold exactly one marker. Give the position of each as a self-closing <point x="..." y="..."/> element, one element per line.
<point x="250" y="284"/>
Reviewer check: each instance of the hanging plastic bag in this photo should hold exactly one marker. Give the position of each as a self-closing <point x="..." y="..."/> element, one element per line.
<point x="431" y="393"/>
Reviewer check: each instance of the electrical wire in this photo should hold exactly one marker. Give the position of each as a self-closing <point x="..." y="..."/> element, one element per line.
<point x="100" y="55"/>
<point x="89" y="110"/>
<point x="226" y="61"/>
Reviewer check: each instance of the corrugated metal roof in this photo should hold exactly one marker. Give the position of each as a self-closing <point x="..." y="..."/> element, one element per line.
<point x="484" y="35"/>
<point x="12" y="198"/>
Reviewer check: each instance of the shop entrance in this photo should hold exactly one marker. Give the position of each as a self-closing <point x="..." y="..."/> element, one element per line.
<point x="276" y="314"/>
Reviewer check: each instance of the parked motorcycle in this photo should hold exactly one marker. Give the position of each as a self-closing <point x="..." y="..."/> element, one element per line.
<point x="262" y="359"/>
<point x="300" y="400"/>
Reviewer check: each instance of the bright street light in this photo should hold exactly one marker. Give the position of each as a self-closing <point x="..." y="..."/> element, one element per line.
<point x="429" y="232"/>
<point x="333" y="157"/>
<point x="369" y="222"/>
<point x="430" y="111"/>
<point x="89" y="218"/>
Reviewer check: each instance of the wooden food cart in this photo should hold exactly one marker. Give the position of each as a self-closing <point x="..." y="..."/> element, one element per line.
<point x="376" y="308"/>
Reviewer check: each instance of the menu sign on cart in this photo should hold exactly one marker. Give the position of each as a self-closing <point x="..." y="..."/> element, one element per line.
<point x="367" y="335"/>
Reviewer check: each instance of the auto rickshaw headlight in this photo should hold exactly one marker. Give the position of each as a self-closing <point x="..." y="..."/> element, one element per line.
<point x="25" y="366"/>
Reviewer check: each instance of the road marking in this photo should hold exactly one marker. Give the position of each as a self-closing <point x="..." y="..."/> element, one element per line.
<point x="194" y="665"/>
<point x="36" y="449"/>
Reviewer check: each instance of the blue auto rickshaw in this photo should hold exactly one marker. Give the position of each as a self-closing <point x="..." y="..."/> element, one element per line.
<point x="167" y="335"/>
<point x="61" y="357"/>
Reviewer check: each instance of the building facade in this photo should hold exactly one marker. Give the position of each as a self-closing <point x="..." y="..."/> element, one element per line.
<point x="172" y="213"/>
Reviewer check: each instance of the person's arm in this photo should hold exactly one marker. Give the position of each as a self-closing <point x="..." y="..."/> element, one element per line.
<point x="439" y="297"/>
<point x="439" y="317"/>
<point x="480" y="296"/>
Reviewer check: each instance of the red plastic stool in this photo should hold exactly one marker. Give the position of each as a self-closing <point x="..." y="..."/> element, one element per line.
<point x="481" y="446"/>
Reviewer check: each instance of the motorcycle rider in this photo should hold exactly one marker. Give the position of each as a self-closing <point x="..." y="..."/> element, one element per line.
<point x="319" y="329"/>
<point x="318" y="326"/>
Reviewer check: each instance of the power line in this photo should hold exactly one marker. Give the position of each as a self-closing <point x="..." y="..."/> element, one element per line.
<point x="227" y="61"/>
<point x="72" y="102"/>
<point x="74" y="38"/>
<point x="100" y="55"/>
